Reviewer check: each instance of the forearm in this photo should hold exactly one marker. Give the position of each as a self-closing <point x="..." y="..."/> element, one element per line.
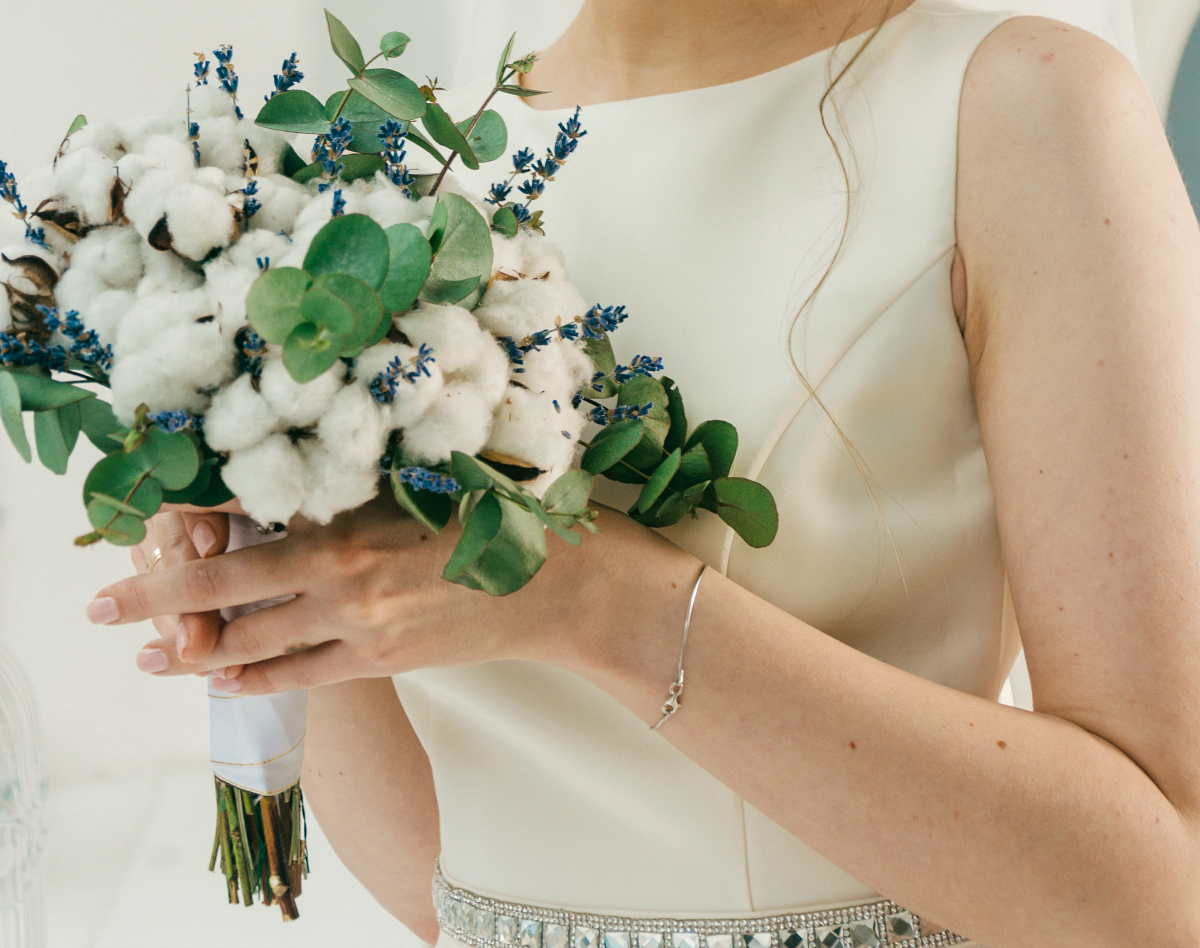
<point x="368" y="781"/>
<point x="1016" y="829"/>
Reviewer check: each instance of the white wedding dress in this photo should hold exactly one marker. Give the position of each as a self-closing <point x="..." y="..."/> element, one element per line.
<point x="711" y="214"/>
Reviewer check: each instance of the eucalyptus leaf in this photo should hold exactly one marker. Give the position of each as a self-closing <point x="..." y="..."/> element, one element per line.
<point x="352" y="244"/>
<point x="355" y="167"/>
<point x="748" y="507"/>
<point x="504" y="222"/>
<point x="97" y="420"/>
<point x="437" y="225"/>
<point x="121" y="476"/>
<point x="431" y="509"/>
<point x="51" y="445"/>
<point x="356" y="108"/>
<point x="294" y="111"/>
<point x="443" y="131"/>
<point x="273" y="303"/>
<point x="289" y="162"/>
<point x="658" y="481"/>
<point x="479" y="529"/>
<point x="196" y="488"/>
<point x="489" y="138"/>
<point x="344" y="44"/>
<point x="522" y="92"/>
<point x="720" y="440"/>
<point x="396" y="94"/>
<point x="216" y="493"/>
<point x="172" y="459"/>
<point x="362" y="303"/>
<point x="39" y="393"/>
<point x="117" y="528"/>
<point x="10" y="415"/>
<point x="600" y="351"/>
<point x="569" y="494"/>
<point x="410" y="258"/>
<point x="504" y="57"/>
<point x="115" y="505"/>
<point x="70" y="419"/>
<point x="694" y="467"/>
<point x="308" y="353"/>
<point x="677" y="435"/>
<point x="79" y="122"/>
<point x="393" y="44"/>
<point x="512" y="557"/>
<point x="326" y="311"/>
<point x="422" y="142"/>
<point x="646" y="457"/>
<point x="611" y="445"/>
<point x="563" y="530"/>
<point x="463" y="252"/>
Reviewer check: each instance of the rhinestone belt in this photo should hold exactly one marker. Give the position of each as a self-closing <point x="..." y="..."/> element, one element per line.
<point x="487" y="923"/>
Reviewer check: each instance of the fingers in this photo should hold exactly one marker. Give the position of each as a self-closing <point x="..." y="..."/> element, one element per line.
<point x="230" y="507"/>
<point x="249" y="575"/>
<point x="209" y="532"/>
<point x="209" y="536"/>
<point x="324" y="664"/>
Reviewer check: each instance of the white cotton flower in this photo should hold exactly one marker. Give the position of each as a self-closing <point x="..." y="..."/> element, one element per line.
<point x="282" y="200"/>
<point x="84" y="179"/>
<point x="255" y="245"/>
<point x="412" y="398"/>
<point x="105" y="312"/>
<point x="315" y="215"/>
<point x="270" y="479"/>
<point x="558" y="370"/>
<point x="334" y="487"/>
<point x="111" y="254"/>
<point x="268" y="145"/>
<point x="299" y="404"/>
<point x="451" y="332"/>
<point x="238" y="418"/>
<point x="165" y="272"/>
<point x="79" y="288"/>
<point x="354" y="428"/>
<point x="158" y="153"/>
<point x="221" y="144"/>
<point x="104" y="137"/>
<point x="527" y="426"/>
<point x="136" y="133"/>
<point x="161" y="312"/>
<point x="518" y="308"/>
<point x="528" y="254"/>
<point x="199" y="219"/>
<point x="458" y="420"/>
<point x="205" y="102"/>
<point x="146" y="201"/>
<point x="175" y="371"/>
<point x="388" y="206"/>
<point x="227" y="285"/>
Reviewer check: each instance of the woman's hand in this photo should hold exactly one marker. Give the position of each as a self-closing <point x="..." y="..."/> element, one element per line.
<point x="370" y="601"/>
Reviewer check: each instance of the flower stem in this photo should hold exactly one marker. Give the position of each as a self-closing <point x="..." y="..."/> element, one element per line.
<point x="470" y="128"/>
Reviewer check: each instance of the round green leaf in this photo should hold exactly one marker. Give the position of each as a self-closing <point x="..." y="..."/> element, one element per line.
<point x="363" y="304"/>
<point x="326" y="311"/>
<point x="443" y="131"/>
<point x="511" y="557"/>
<point x="410" y="259"/>
<point x="693" y="467"/>
<point x="504" y="222"/>
<point x="471" y="473"/>
<point x="480" y="527"/>
<point x="489" y="138"/>
<point x="463" y="252"/>
<point x="294" y="111"/>
<point x="98" y="422"/>
<point x="748" y="507"/>
<point x="352" y="244"/>
<point x="720" y="440"/>
<point x="677" y="435"/>
<point x="273" y="303"/>
<point x="396" y="94"/>
<point x="355" y="167"/>
<point x="172" y="459"/>
<point x="308" y="354"/>
<point x="117" y="476"/>
<point x="393" y="44"/>
<point x="611" y="445"/>
<point x="600" y="351"/>
<point x="569" y="494"/>
<point x="429" y="508"/>
<point x="118" y="529"/>
<point x="364" y="117"/>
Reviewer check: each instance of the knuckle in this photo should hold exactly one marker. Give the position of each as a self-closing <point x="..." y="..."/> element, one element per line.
<point x="203" y="581"/>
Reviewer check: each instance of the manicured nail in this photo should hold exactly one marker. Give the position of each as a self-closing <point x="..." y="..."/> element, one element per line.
<point x="152" y="660"/>
<point x="182" y="640"/>
<point x="227" y="685"/>
<point x="203" y="538"/>
<point x="103" y="611"/>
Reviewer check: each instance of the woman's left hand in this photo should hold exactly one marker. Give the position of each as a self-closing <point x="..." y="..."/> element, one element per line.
<point x="370" y="601"/>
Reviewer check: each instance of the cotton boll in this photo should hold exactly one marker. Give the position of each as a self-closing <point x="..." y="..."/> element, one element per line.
<point x="155" y="314"/>
<point x="450" y="331"/>
<point x="104" y="137"/>
<point x="299" y="404"/>
<point x="173" y="371"/>
<point x="78" y="289"/>
<point x="388" y="206"/>
<point x="255" y="245"/>
<point x="282" y="200"/>
<point x="527" y="254"/>
<point x="112" y="254"/>
<point x="228" y="285"/>
<point x="206" y="102"/>
<point x="458" y="420"/>
<point x="268" y="145"/>
<point x="333" y="487"/>
<point x="558" y="370"/>
<point x="199" y="219"/>
<point x="105" y="312"/>
<point x="238" y="417"/>
<point x="528" y="427"/>
<point x="36" y="187"/>
<point x="317" y="212"/>
<point x="165" y="272"/>
<point x="490" y="371"/>
<point x="136" y="133"/>
<point x="270" y="479"/>
<point x="412" y="398"/>
<point x="84" y="179"/>
<point x="221" y="143"/>
<point x="146" y="201"/>
<point x="159" y="153"/>
<point x="354" y="429"/>
<point x="518" y="308"/>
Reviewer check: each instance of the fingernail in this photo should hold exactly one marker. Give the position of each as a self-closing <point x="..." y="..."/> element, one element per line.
<point x="152" y="660"/>
<point x="226" y="684"/>
<point x="103" y="611"/>
<point x="182" y="639"/>
<point x="203" y="538"/>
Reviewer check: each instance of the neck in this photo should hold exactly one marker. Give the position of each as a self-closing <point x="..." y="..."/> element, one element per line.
<point x="623" y="49"/>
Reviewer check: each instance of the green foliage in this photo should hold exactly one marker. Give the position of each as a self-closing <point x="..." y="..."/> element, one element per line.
<point x="748" y="507"/>
<point x="488" y="140"/>
<point x="366" y="311"/>
<point x="273" y="303"/>
<point x="309" y="352"/>
<point x="294" y="111"/>
<point x="431" y="509"/>
<point x="393" y="92"/>
<point x="355" y="167"/>
<point x="462" y="250"/>
<point x="41" y="393"/>
<point x="352" y="244"/>
<point x="55" y="433"/>
<point x="79" y="122"/>
<point x="504" y="221"/>
<point x="393" y="45"/>
<point x="344" y="44"/>
<point x="364" y="117"/>
<point x="10" y="415"/>
<point x="443" y="131"/>
<point x="611" y="445"/>
<point x="410" y="258"/>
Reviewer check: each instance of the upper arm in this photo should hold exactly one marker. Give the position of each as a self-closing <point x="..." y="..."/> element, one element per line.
<point x="1082" y="255"/>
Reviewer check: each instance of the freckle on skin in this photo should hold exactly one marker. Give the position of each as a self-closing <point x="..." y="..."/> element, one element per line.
<point x="1002" y="744"/>
<point x="1107" y="221"/>
<point x="1099" y="362"/>
<point x="1047" y="57"/>
<point x="853" y="746"/>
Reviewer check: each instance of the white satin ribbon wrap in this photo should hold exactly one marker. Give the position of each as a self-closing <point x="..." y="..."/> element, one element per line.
<point x="256" y="742"/>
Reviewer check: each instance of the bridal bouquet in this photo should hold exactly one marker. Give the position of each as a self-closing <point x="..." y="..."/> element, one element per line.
<point x="297" y="333"/>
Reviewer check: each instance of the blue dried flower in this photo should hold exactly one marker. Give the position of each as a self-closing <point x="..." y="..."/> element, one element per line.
<point x="420" y="478"/>
<point x="522" y="213"/>
<point x="201" y="69"/>
<point x="250" y="204"/>
<point x="264" y="263"/>
<point x="628" y="412"/>
<point x="339" y="204"/>
<point x="499" y="193"/>
<point x="514" y="352"/>
<point x="572" y="129"/>
<point x="229" y="79"/>
<point x="599" y="415"/>
<point x="85" y="343"/>
<point x="173" y="421"/>
<point x="384" y="386"/>
<point x="639" y="365"/>
<point x="10" y="193"/>
<point x="522" y="160"/>
<point x="393" y="134"/>
<point x="289" y="76"/>
<point x="16" y="352"/>
<point x="533" y="188"/>
<point x="546" y="167"/>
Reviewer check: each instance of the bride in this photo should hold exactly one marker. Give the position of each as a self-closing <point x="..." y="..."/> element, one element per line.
<point x="938" y="266"/>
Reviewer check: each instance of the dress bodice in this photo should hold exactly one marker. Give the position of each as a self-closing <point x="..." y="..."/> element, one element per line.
<point x="711" y="214"/>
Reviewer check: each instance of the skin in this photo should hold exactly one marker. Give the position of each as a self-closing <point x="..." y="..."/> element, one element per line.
<point x="1077" y="284"/>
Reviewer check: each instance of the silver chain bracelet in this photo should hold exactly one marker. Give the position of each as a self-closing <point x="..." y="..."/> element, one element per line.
<point x="671" y="705"/>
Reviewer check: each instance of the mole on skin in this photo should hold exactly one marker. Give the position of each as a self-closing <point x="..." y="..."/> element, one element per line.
<point x="1002" y="744"/>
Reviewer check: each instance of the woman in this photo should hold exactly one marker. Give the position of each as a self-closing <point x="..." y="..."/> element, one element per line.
<point x="1004" y="329"/>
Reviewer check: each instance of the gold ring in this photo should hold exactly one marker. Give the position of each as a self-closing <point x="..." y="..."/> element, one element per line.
<point x="154" y="558"/>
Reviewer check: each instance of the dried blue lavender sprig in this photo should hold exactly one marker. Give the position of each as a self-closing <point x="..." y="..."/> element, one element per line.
<point x="392" y="134"/>
<point x="10" y="193"/>
<point x="175" y="421"/>
<point x="421" y="478"/>
<point x="85" y="343"/>
<point x="541" y="171"/>
<point x="288" y="76"/>
<point x="251" y="205"/>
<point x="328" y="148"/>
<point x="201" y="69"/>
<point x="229" y="78"/>
<point x="384" y="386"/>
<point x="194" y="138"/>
<point x="339" y="204"/>
<point x="18" y="352"/>
<point x="606" y="416"/>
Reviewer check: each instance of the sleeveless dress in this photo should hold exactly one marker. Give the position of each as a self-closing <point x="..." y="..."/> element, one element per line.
<point x="711" y="214"/>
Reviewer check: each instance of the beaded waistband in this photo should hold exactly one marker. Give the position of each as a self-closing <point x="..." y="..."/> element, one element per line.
<point x="489" y="923"/>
